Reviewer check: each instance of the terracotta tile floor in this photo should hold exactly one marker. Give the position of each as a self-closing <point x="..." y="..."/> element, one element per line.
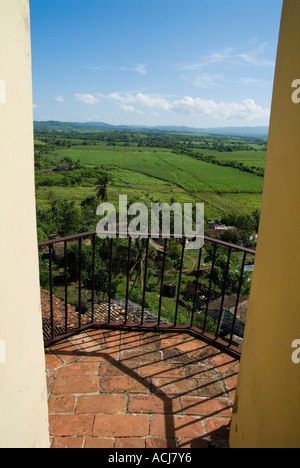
<point x="119" y="389"/>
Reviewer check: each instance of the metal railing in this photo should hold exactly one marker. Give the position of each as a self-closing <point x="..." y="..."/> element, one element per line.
<point x="208" y="315"/>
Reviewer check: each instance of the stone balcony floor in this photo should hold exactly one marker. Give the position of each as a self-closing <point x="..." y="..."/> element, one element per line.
<point x="120" y="389"/>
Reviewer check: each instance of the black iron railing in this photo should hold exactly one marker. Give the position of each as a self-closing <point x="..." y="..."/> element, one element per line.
<point x="209" y="292"/>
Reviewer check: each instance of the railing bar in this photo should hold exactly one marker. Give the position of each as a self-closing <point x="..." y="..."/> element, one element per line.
<point x="179" y="280"/>
<point x="196" y="286"/>
<point x="66" y="238"/>
<point x="110" y="279"/>
<point x="51" y="292"/>
<point x="145" y="280"/>
<point x="238" y="297"/>
<point x="227" y="244"/>
<point x="162" y="281"/>
<point x="51" y="243"/>
<point x="146" y="235"/>
<point x="66" y="285"/>
<point x="223" y="294"/>
<point x="210" y="284"/>
<point x="93" y="278"/>
<point x="79" y="280"/>
<point x="128" y="279"/>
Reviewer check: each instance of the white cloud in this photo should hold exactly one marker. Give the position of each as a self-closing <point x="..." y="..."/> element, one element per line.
<point x="208" y="81"/>
<point x="59" y="99"/>
<point x="138" y="69"/>
<point x="249" y="54"/>
<point x="88" y="98"/>
<point x="34" y="106"/>
<point x="247" y="109"/>
<point x="248" y="81"/>
<point x="253" y="56"/>
<point x="140" y="99"/>
<point x="99" y="68"/>
<point x="150" y="101"/>
<point x="137" y="102"/>
<point x="121" y="97"/>
<point x="127" y="108"/>
<point x="205" y="80"/>
<point x="141" y="68"/>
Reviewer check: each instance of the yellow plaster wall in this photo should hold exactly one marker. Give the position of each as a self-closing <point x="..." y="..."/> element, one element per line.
<point x="267" y="406"/>
<point x="23" y="394"/>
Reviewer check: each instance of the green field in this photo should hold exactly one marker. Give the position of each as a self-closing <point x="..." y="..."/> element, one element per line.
<point x="155" y="167"/>
<point x="249" y="158"/>
<point x="182" y="171"/>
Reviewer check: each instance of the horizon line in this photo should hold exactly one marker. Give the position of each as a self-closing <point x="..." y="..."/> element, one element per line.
<point x="145" y="125"/>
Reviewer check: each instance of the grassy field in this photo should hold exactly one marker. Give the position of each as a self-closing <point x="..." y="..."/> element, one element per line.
<point x="249" y="158"/>
<point x="158" y="173"/>
<point x="182" y="171"/>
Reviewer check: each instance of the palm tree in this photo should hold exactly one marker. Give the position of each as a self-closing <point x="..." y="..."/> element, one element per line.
<point x="102" y="188"/>
<point x="138" y="261"/>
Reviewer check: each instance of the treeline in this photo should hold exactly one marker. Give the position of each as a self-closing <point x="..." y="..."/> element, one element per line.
<point x="151" y="138"/>
<point x="259" y="171"/>
<point x="79" y="176"/>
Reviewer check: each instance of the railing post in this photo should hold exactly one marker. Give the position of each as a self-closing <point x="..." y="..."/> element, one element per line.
<point x="145" y="279"/>
<point x="210" y="285"/>
<point x="223" y="295"/>
<point x="93" y="278"/>
<point x="196" y="286"/>
<point x="110" y="279"/>
<point x="162" y="281"/>
<point x="51" y="292"/>
<point x="79" y="280"/>
<point x="238" y="298"/>
<point x="128" y="280"/>
<point x="66" y="285"/>
<point x="179" y="281"/>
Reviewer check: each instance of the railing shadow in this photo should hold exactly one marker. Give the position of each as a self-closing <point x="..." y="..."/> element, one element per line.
<point x="122" y="365"/>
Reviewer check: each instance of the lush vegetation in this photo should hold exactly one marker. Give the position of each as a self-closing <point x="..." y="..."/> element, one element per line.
<point x="76" y="169"/>
<point x="225" y="173"/>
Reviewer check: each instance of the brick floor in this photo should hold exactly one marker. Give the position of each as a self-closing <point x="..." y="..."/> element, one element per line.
<point x="118" y="389"/>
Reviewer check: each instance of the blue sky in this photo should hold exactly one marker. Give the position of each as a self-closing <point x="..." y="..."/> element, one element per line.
<point x="200" y="63"/>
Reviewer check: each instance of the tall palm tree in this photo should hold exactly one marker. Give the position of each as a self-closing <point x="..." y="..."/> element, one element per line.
<point x="138" y="261"/>
<point x="102" y="188"/>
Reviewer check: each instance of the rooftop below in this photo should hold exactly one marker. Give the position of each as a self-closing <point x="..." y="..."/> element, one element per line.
<point x="133" y="389"/>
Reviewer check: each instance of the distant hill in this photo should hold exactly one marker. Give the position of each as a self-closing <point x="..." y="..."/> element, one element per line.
<point x="261" y="132"/>
<point x="232" y="131"/>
